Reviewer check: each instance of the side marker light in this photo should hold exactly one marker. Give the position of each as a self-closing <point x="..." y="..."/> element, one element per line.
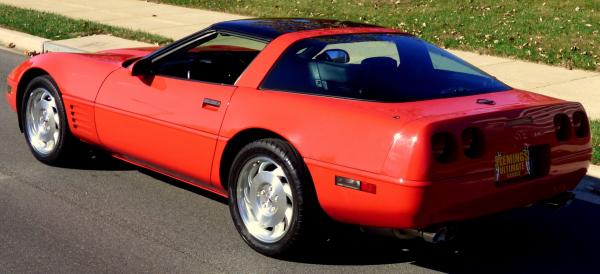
<point x="355" y="184"/>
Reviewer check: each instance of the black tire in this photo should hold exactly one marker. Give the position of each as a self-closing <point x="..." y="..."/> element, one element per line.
<point x="306" y="211"/>
<point x="66" y="143"/>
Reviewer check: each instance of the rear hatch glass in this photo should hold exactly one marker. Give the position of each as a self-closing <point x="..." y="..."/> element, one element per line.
<point x="377" y="67"/>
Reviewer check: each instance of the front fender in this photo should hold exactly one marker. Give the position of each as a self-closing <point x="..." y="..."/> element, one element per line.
<point x="78" y="78"/>
<point x="77" y="75"/>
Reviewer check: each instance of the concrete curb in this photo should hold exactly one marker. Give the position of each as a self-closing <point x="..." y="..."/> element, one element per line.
<point x="92" y="43"/>
<point x="52" y="46"/>
<point x="22" y="41"/>
<point x="589" y="188"/>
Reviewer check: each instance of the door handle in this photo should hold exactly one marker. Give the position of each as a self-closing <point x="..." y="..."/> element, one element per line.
<point x="211" y="102"/>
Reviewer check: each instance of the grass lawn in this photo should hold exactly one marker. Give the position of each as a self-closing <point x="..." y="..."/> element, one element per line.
<point x="558" y="32"/>
<point x="596" y="141"/>
<point x="58" y="27"/>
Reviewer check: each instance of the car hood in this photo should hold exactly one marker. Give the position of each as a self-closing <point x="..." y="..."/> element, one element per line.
<point x="120" y="55"/>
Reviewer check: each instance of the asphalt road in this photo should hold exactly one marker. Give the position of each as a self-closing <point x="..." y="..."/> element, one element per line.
<point x="106" y="216"/>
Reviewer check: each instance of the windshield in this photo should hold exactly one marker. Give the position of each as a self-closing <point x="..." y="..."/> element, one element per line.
<point x="377" y="67"/>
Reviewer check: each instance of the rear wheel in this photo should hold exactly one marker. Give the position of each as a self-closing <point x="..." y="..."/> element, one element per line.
<point x="271" y="197"/>
<point x="44" y="121"/>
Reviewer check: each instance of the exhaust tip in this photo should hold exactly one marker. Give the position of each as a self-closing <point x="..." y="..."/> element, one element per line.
<point x="440" y="235"/>
<point x="561" y="200"/>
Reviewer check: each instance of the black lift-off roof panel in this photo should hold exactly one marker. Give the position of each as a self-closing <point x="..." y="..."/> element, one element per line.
<point x="269" y="29"/>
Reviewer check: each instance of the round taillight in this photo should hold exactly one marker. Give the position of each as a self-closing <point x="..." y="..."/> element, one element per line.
<point x="472" y="142"/>
<point x="562" y="127"/>
<point x="581" y="126"/>
<point x="443" y="147"/>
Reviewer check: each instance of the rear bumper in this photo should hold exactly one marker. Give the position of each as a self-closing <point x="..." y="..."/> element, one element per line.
<point x="412" y="204"/>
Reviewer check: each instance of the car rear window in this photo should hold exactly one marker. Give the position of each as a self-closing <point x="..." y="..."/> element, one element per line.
<point x="376" y="67"/>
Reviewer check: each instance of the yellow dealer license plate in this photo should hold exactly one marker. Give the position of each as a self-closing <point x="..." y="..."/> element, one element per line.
<point x="512" y="165"/>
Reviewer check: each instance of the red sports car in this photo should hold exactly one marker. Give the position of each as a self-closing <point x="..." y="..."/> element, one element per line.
<point x="292" y="118"/>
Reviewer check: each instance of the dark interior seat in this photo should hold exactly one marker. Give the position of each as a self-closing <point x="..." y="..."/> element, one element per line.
<point x="377" y="74"/>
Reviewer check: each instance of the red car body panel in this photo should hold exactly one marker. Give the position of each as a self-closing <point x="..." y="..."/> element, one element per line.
<point x="161" y="123"/>
<point x="165" y="116"/>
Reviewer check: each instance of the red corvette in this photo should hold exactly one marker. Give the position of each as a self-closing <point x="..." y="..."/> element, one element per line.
<point x="289" y="118"/>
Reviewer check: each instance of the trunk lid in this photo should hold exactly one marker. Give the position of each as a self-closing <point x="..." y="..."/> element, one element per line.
<point x="509" y="122"/>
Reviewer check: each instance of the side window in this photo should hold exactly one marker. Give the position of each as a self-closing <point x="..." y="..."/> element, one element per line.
<point x="221" y="59"/>
<point x="291" y="72"/>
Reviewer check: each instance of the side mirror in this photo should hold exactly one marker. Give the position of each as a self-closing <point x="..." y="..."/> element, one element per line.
<point x="335" y="56"/>
<point x="142" y="67"/>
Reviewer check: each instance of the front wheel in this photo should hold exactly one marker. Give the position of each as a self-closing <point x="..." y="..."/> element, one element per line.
<point x="44" y="121"/>
<point x="271" y="197"/>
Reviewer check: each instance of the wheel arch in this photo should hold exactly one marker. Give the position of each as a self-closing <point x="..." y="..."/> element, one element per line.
<point x="236" y="143"/>
<point x="29" y="75"/>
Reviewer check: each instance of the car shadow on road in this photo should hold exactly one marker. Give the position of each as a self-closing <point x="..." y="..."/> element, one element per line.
<point x="87" y="158"/>
<point x="185" y="186"/>
<point x="537" y="239"/>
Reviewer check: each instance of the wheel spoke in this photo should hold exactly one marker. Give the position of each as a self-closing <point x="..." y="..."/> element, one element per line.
<point x="252" y="210"/>
<point x="30" y="121"/>
<point x="279" y="172"/>
<point x="245" y="194"/>
<point x="263" y="219"/>
<point x="252" y="195"/>
<point x="55" y="137"/>
<point x="50" y="144"/>
<point x="36" y="141"/>
<point x="51" y="123"/>
<point x="36" y="100"/>
<point x="288" y="191"/>
<point x="55" y="117"/>
<point x="289" y="211"/>
<point x="263" y="166"/>
<point x="279" y="228"/>
<point x="43" y="104"/>
<point x="247" y="189"/>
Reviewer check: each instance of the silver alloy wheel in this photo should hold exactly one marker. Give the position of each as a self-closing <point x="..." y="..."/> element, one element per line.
<point x="42" y="123"/>
<point x="264" y="199"/>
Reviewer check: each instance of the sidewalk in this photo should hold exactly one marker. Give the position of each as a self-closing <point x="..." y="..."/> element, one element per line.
<point x="169" y="21"/>
<point x="176" y="22"/>
<point x="571" y="85"/>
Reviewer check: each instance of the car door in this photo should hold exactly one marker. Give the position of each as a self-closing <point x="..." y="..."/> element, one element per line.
<point x="168" y="119"/>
